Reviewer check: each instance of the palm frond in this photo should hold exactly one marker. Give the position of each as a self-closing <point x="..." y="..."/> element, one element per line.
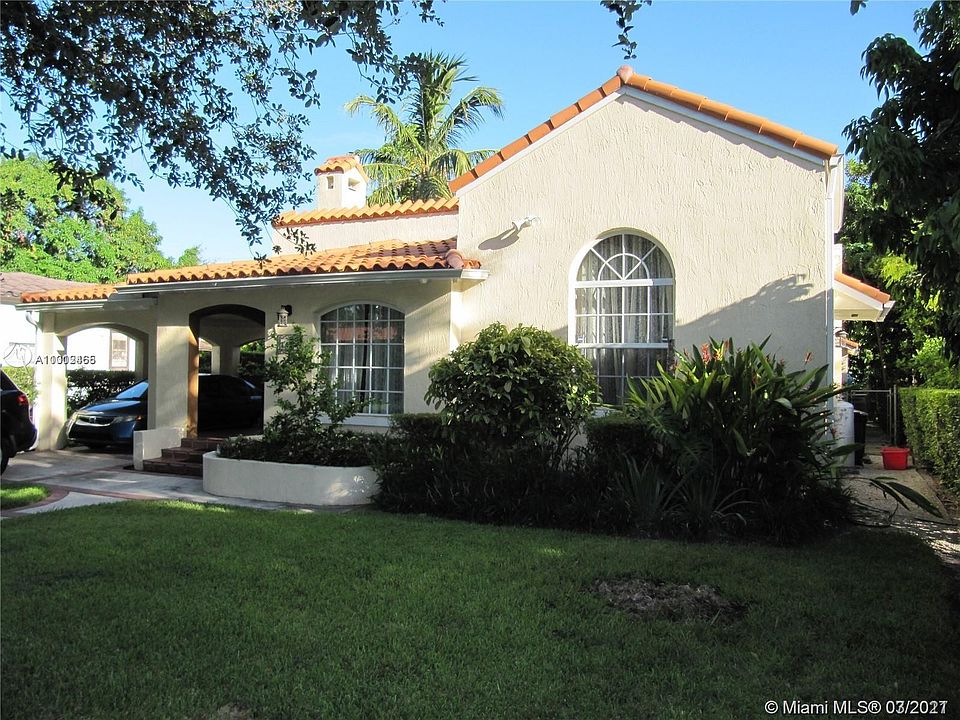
<point x="382" y="113"/>
<point x="421" y="153"/>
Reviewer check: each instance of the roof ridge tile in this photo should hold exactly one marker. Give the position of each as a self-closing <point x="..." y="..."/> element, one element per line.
<point x="626" y="76"/>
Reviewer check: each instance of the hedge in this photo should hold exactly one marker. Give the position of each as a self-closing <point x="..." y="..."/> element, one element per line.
<point x="22" y="377"/>
<point x="83" y="386"/>
<point x="931" y="419"/>
<point x="613" y="437"/>
<point x="87" y="386"/>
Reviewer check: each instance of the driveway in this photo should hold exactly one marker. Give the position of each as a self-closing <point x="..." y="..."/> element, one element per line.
<point x="79" y="476"/>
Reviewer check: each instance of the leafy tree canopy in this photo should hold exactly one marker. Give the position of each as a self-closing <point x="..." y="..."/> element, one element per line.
<point x="910" y="146"/>
<point x="423" y="135"/>
<point x="95" y="83"/>
<point x="905" y="347"/>
<point x="45" y="231"/>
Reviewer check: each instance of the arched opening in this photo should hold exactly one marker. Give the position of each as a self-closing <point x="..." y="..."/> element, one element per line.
<point x="622" y="309"/>
<point x="105" y="386"/>
<point x="229" y="394"/>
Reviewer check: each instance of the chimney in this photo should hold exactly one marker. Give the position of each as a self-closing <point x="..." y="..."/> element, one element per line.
<point x="341" y="183"/>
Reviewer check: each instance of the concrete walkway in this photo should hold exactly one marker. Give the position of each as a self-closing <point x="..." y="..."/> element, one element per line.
<point x="79" y="477"/>
<point x="941" y="533"/>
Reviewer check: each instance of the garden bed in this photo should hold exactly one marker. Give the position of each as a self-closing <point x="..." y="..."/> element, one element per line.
<point x="288" y="482"/>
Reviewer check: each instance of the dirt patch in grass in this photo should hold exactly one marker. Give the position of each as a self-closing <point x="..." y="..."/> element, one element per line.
<point x="669" y="601"/>
<point x="232" y="712"/>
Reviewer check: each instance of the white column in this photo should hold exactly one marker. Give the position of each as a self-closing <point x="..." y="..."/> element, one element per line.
<point x="50" y="376"/>
<point x="169" y="379"/>
<point x="216" y="356"/>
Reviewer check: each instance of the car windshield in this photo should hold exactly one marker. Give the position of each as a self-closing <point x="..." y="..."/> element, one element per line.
<point x="134" y="392"/>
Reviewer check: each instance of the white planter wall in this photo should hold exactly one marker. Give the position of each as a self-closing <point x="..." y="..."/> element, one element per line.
<point x="285" y="482"/>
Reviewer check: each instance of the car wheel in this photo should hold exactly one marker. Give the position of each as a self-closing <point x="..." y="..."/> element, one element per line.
<point x="9" y="450"/>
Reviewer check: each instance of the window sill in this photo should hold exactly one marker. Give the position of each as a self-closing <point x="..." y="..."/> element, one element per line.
<point x="368" y="420"/>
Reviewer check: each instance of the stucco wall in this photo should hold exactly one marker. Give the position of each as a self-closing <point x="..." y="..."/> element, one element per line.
<point x="743" y="225"/>
<point x="426" y="308"/>
<point x="441" y="226"/>
<point x="19" y="338"/>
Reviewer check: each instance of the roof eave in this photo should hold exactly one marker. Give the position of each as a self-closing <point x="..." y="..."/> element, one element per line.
<point x="334" y="278"/>
<point x="129" y="303"/>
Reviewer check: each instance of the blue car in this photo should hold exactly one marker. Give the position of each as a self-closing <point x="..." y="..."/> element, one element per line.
<point x="111" y="421"/>
<point x="223" y="402"/>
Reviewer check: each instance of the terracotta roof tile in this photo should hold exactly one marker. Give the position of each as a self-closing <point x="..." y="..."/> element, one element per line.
<point x="70" y="294"/>
<point x="389" y="255"/>
<point x="341" y="163"/>
<point x="367" y="212"/>
<point x="862" y="287"/>
<point x="14" y="284"/>
<point x="626" y="77"/>
<point x="748" y="121"/>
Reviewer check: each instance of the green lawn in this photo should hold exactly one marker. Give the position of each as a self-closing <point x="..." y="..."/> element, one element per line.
<point x="14" y="496"/>
<point x="139" y="610"/>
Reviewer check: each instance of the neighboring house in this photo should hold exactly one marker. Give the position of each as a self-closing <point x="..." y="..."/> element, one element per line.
<point x="640" y="220"/>
<point x="97" y="348"/>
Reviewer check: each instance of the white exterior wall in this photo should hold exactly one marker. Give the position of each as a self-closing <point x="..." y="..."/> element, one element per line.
<point x="742" y="223"/>
<point x="58" y="329"/>
<point x="418" y="228"/>
<point x="426" y="309"/>
<point x="341" y="189"/>
<point x="16" y="328"/>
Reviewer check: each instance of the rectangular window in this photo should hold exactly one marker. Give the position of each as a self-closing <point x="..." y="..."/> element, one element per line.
<point x="365" y="346"/>
<point x="119" y="351"/>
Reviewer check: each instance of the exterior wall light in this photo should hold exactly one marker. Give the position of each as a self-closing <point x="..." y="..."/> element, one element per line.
<point x="283" y="314"/>
<point x="522" y="223"/>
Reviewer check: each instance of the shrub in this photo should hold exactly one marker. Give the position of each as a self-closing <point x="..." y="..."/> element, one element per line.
<point x="22" y="377"/>
<point x="514" y="388"/>
<point x="88" y="386"/>
<point x="931" y="418"/>
<point x="510" y="404"/>
<point x="743" y="441"/>
<point x="341" y="448"/>
<point x="935" y="366"/>
<point x="307" y="428"/>
<point x="422" y="470"/>
<point x="614" y="438"/>
<point x="408" y="462"/>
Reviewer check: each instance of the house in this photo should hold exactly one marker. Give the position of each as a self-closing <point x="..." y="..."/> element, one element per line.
<point x="639" y="220"/>
<point x="96" y="348"/>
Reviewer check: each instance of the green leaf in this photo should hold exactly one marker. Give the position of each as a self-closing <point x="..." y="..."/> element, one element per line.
<point x="902" y="493"/>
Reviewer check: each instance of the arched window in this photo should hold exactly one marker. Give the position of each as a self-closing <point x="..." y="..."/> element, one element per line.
<point x="365" y="343"/>
<point x="623" y="310"/>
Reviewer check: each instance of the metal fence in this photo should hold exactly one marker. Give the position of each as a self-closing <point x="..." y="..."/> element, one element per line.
<point x="883" y="407"/>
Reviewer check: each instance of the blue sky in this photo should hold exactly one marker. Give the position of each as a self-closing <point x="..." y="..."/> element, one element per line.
<point x="797" y="63"/>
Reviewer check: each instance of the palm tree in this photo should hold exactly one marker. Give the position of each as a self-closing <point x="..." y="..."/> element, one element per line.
<point x="421" y="153"/>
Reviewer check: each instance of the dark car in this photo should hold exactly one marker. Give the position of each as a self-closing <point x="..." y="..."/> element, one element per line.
<point x="111" y="421"/>
<point x="19" y="434"/>
<point x="224" y="402"/>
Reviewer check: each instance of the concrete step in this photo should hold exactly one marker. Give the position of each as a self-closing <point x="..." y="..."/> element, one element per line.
<point x="204" y="444"/>
<point x="182" y="454"/>
<point x="173" y="467"/>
